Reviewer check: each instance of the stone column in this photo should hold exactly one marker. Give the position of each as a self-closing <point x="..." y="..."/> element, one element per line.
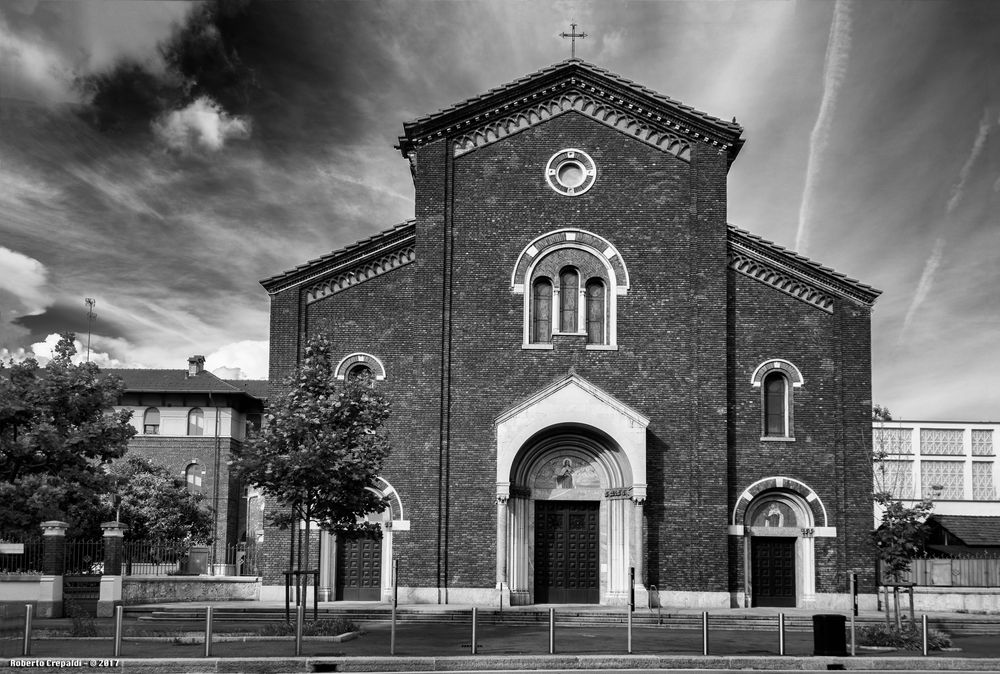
<point x="50" y="590"/>
<point x="501" y="541"/>
<point x="325" y="566"/>
<point x="114" y="551"/>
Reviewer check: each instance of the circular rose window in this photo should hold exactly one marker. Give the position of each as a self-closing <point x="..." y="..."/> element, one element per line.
<point x="571" y="172"/>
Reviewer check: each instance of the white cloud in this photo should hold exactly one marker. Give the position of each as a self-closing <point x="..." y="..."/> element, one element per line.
<point x="203" y="125"/>
<point x="30" y="69"/>
<point x="43" y="352"/>
<point x="240" y="360"/>
<point x="834" y="71"/>
<point x="24" y="277"/>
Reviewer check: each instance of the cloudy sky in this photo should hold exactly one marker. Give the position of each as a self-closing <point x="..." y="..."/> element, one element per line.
<point x="162" y="157"/>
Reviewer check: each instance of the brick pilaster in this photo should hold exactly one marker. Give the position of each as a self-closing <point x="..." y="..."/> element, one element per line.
<point x="113" y="533"/>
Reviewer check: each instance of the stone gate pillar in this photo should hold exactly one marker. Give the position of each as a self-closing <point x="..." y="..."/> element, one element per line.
<point x="111" y="579"/>
<point x="50" y="591"/>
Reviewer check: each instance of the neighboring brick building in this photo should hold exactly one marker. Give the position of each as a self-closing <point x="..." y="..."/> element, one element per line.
<point x="591" y="370"/>
<point x="189" y="421"/>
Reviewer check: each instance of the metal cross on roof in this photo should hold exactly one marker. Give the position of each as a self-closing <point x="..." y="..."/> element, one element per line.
<point x="572" y="34"/>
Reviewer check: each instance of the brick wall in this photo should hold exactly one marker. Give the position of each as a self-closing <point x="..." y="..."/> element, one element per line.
<point x="687" y="332"/>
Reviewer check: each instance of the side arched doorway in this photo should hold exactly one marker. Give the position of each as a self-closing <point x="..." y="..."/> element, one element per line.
<point x="360" y="569"/>
<point x="572" y="524"/>
<point x="779" y="519"/>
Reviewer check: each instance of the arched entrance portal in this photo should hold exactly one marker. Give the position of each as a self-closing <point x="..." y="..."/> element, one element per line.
<point x="571" y="520"/>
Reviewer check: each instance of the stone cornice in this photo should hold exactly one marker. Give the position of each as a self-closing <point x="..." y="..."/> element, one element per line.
<point x="354" y="256"/>
<point x="792" y="273"/>
<point x="596" y="104"/>
<point x="360" y="273"/>
<point x="610" y="98"/>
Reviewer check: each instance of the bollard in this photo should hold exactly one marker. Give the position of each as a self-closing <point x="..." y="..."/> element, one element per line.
<point x="300" y="616"/>
<point x="473" y="630"/>
<point x="781" y="634"/>
<point x="392" y="632"/>
<point x="853" y="637"/>
<point x="26" y="646"/>
<point x="208" y="631"/>
<point x="119" y="611"/>
<point x="552" y="630"/>
<point x="704" y="633"/>
<point x="630" y="632"/>
<point x="923" y="621"/>
<point x="395" y="600"/>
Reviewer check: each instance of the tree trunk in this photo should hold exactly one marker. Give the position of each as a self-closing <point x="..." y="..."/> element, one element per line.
<point x="895" y="606"/>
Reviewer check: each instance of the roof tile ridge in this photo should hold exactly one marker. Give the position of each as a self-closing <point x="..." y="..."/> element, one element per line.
<point x="489" y="92"/>
<point x="340" y="251"/>
<point x="778" y="248"/>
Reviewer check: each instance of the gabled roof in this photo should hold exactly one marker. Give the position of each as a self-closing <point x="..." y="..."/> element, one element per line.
<point x="971" y="529"/>
<point x="178" y="381"/>
<point x="795" y="274"/>
<point x="352" y="255"/>
<point x="653" y="111"/>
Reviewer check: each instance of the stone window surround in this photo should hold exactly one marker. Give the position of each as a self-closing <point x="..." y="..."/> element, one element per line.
<point x="793" y="379"/>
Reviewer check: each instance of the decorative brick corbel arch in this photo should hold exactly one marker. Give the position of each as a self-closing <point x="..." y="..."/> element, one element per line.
<point x="770" y="365"/>
<point x="366" y="359"/>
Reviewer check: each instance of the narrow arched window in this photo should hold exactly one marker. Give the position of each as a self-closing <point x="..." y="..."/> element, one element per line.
<point x="541" y="311"/>
<point x="151" y="421"/>
<point x="196" y="422"/>
<point x="192" y="477"/>
<point x="775" y="405"/>
<point x="569" y="284"/>
<point x="595" y="312"/>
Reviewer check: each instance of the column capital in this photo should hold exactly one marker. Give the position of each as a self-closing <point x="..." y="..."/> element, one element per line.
<point x="54" y="528"/>
<point x="113" y="529"/>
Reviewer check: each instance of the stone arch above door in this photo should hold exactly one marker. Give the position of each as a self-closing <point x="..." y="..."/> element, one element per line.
<point x="573" y="402"/>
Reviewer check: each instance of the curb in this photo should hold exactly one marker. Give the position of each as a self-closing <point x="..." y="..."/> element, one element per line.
<point x="509" y="663"/>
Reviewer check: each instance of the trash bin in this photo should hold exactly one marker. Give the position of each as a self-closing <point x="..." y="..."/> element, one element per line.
<point x="829" y="634"/>
<point x="197" y="562"/>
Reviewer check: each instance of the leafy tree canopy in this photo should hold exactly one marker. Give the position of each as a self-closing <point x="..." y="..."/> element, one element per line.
<point x="154" y="504"/>
<point x="902" y="531"/>
<point x="55" y="433"/>
<point x="322" y="446"/>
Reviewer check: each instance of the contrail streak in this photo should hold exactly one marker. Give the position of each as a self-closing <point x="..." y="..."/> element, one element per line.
<point x="924" y="287"/>
<point x="834" y="72"/>
<point x="963" y="175"/>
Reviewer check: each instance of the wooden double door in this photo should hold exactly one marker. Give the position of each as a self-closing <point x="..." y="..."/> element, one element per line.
<point x="772" y="571"/>
<point x="359" y="569"/>
<point x="567" y="552"/>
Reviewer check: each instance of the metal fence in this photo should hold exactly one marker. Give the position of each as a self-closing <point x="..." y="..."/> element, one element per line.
<point x="154" y="558"/>
<point x="20" y="555"/>
<point x="84" y="557"/>
<point x="953" y="572"/>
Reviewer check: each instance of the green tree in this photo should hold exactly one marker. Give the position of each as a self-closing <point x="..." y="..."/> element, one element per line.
<point x="154" y="504"/>
<point x="55" y="433"/>
<point x="902" y="530"/>
<point x="321" y="448"/>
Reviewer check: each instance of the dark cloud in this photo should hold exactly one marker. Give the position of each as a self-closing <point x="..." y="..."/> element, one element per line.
<point x="65" y="317"/>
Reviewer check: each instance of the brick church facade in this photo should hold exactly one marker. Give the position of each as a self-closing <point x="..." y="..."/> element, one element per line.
<point x="591" y="371"/>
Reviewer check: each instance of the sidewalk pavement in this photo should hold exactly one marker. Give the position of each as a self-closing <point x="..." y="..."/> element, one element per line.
<point x="429" y="646"/>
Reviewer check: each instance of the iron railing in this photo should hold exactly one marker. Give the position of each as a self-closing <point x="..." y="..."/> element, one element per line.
<point x="20" y="555"/>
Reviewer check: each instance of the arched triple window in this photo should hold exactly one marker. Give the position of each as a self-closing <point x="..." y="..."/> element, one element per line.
<point x="776" y="413"/>
<point x="151" y="421"/>
<point x="196" y="422"/>
<point x="541" y="311"/>
<point x="571" y="281"/>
